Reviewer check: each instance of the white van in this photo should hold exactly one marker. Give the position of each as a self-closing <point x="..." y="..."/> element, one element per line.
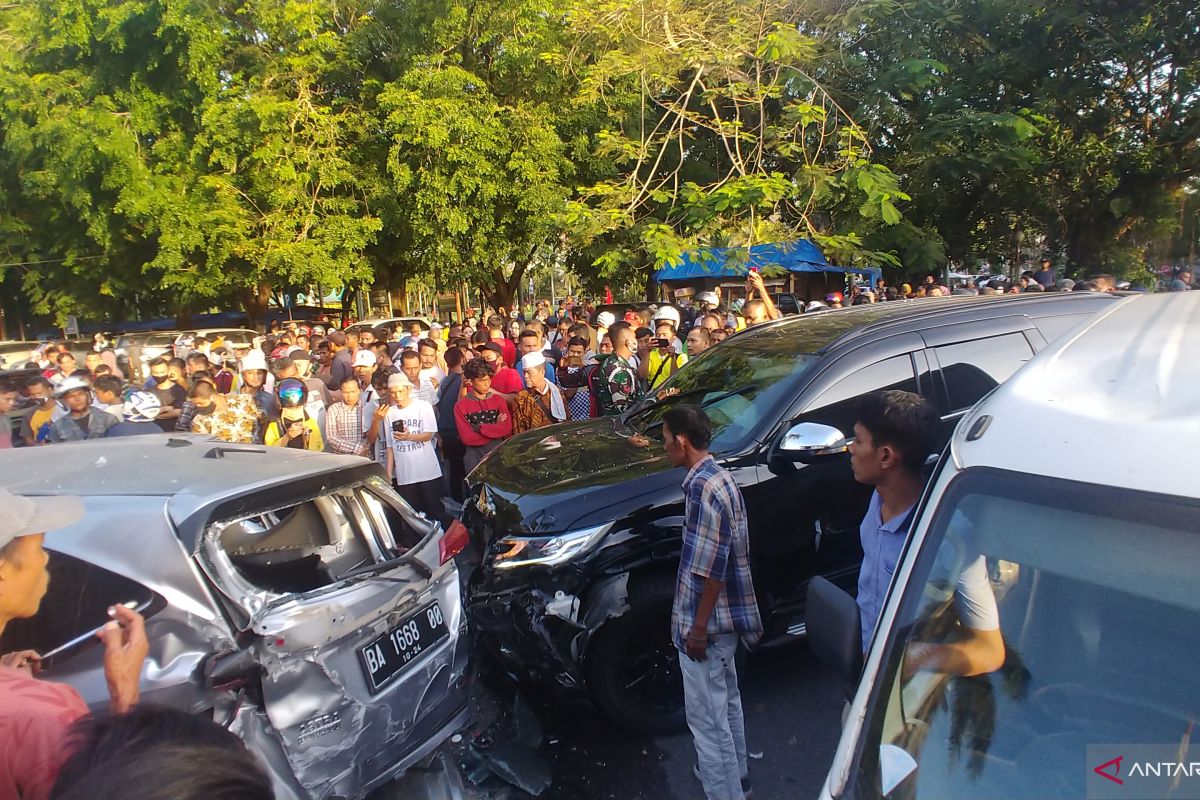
<point x="1072" y="491"/>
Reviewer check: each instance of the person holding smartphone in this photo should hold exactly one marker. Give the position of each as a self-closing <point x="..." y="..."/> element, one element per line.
<point x="294" y="428"/>
<point x="662" y="361"/>
<point x="35" y="714"/>
<point x="409" y="426"/>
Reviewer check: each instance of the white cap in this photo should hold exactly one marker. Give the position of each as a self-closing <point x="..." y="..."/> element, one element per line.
<point x="398" y="379"/>
<point x="24" y="516"/>
<point x="531" y="360"/>
<point x="605" y="319"/>
<point x="364" y="358"/>
<point x="255" y="359"/>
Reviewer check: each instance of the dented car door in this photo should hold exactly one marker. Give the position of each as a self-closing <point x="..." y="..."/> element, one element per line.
<point x="357" y="627"/>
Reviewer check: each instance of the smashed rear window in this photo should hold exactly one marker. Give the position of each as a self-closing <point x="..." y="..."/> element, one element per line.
<point x="311" y="544"/>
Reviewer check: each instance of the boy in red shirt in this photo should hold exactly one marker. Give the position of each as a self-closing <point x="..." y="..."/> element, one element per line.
<point x="481" y="415"/>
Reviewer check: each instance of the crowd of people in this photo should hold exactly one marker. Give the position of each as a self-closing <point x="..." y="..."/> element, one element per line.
<point x="427" y="404"/>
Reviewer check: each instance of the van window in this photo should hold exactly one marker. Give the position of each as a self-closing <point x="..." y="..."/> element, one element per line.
<point x="297" y="548"/>
<point x="75" y="604"/>
<point x="1089" y="594"/>
<point x="972" y="369"/>
<point x="838" y="405"/>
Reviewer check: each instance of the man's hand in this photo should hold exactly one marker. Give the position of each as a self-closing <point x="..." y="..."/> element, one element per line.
<point x="125" y="649"/>
<point x="754" y="282"/>
<point x="696" y="645"/>
<point x="639" y="440"/>
<point x="295" y="430"/>
<point x="27" y="660"/>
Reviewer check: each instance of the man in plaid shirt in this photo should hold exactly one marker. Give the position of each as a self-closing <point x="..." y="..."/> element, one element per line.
<point x="714" y="605"/>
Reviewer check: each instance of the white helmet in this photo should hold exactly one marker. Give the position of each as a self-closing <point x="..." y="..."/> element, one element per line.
<point x="255" y="359"/>
<point x="669" y="314"/>
<point x="815" y="305"/>
<point x="142" y="407"/>
<point x="72" y="383"/>
<point x="708" y="297"/>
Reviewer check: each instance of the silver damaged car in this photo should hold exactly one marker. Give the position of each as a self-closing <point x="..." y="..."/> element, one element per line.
<point x="292" y="596"/>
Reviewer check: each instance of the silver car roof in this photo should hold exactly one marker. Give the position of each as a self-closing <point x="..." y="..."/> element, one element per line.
<point x="192" y="471"/>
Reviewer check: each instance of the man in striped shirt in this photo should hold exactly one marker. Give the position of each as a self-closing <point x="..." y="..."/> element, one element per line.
<point x="714" y="605"/>
<point x="349" y="427"/>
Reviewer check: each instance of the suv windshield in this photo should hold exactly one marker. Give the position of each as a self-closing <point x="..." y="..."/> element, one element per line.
<point x="1086" y="585"/>
<point x="739" y="384"/>
<point x="160" y="340"/>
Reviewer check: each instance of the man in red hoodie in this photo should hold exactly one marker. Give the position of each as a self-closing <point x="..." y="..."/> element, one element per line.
<point x="481" y="415"/>
<point x="506" y="381"/>
<point x="508" y="348"/>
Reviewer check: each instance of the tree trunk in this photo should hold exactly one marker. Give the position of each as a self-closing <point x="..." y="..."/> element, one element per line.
<point x="255" y="301"/>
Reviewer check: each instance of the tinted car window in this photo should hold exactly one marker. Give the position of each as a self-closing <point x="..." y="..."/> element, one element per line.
<point x="838" y="405"/>
<point x="972" y="369"/>
<point x="1092" y="589"/>
<point x="75" y="604"/>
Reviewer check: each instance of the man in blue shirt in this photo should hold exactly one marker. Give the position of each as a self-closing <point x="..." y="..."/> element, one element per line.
<point x="895" y="432"/>
<point x="714" y="605"/>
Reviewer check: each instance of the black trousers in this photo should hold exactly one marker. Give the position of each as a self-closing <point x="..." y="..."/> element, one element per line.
<point x="453" y="450"/>
<point x="426" y="497"/>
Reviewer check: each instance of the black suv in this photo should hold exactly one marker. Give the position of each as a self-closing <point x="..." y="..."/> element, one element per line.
<point x="580" y="529"/>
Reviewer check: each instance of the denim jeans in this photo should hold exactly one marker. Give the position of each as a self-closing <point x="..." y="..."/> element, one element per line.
<point x="713" y="706"/>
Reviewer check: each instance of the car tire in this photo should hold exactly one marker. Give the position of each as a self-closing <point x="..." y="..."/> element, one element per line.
<point x="632" y="665"/>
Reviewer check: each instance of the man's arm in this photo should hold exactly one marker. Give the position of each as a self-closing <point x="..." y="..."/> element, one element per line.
<point x="761" y="289"/>
<point x="697" y="641"/>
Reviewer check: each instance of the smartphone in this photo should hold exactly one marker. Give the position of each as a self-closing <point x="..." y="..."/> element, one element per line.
<point x="70" y="647"/>
<point x="662" y="342"/>
<point x="397" y="426"/>
<point x="753" y="269"/>
<point x="574" y="361"/>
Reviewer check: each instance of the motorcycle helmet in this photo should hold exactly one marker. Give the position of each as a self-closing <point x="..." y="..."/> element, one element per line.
<point x="72" y="383"/>
<point x="669" y="314"/>
<point x="141" y="406"/>
<point x="815" y="305"/>
<point x="291" y="393"/>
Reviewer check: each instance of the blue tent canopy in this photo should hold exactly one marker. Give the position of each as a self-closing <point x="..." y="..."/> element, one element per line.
<point x="800" y="255"/>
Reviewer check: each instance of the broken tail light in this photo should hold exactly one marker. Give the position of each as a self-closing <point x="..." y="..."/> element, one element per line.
<point x="453" y="541"/>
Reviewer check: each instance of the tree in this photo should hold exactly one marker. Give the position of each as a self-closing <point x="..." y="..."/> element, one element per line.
<point x="721" y="134"/>
<point x="1070" y="125"/>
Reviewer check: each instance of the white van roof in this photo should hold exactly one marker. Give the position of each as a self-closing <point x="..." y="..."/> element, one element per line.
<point x="1116" y="402"/>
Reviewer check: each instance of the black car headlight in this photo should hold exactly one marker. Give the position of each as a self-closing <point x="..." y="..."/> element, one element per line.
<point x="549" y="551"/>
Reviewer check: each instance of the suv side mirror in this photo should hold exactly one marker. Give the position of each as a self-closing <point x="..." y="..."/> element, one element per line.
<point x="808" y="442"/>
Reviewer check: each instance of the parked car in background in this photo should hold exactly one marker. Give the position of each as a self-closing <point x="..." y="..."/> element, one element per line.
<point x="135" y="351"/>
<point x="292" y="596"/>
<point x="383" y="326"/>
<point x="15" y="354"/>
<point x="1064" y="511"/>
<point x="580" y="529"/>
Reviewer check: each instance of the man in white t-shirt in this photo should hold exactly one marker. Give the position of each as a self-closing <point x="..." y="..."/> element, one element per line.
<point x="412" y="463"/>
<point x="431" y="372"/>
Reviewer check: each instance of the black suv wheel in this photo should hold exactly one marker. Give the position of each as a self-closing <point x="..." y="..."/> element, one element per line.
<point x="633" y="667"/>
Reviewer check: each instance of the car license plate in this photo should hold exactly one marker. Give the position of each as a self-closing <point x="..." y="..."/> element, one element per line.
<point x="388" y="654"/>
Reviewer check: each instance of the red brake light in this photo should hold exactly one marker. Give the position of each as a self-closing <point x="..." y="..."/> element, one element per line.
<point x="453" y="541"/>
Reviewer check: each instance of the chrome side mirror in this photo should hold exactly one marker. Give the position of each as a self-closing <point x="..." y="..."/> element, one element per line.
<point x="807" y="442"/>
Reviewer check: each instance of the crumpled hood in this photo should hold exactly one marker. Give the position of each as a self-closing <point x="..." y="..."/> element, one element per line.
<point x="545" y="480"/>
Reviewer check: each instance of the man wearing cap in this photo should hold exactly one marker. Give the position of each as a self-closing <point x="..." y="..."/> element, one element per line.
<point x="531" y="342"/>
<point x="139" y="412"/>
<point x="506" y="382"/>
<point x="540" y="403"/>
<point x="412" y="463"/>
<point x="35" y="714"/>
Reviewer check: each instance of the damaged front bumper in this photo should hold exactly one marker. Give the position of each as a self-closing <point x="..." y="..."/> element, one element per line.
<point x="539" y="625"/>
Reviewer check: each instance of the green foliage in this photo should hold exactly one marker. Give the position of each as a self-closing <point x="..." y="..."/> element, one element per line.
<point x="724" y="135"/>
